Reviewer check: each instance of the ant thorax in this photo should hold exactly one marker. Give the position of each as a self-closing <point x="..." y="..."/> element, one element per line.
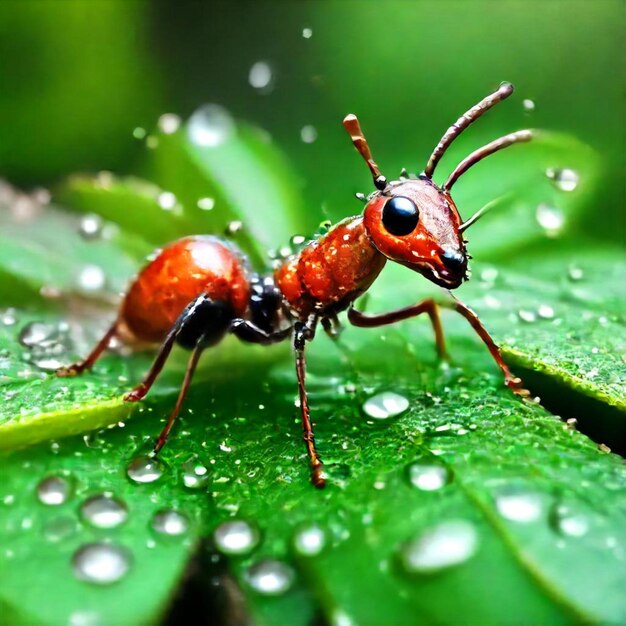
<point x="330" y="272"/>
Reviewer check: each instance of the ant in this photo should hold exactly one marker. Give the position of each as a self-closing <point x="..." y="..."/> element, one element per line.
<point x="200" y="288"/>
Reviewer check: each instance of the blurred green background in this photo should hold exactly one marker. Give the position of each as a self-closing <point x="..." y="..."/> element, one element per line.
<point x="78" y="76"/>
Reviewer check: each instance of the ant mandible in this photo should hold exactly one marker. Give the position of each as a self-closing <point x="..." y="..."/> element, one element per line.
<point x="200" y="288"/>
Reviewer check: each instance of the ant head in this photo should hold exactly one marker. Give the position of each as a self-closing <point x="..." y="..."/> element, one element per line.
<point x="415" y="222"/>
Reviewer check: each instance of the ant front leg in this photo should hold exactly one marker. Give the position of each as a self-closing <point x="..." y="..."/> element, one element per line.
<point x="428" y="306"/>
<point x="302" y="333"/>
<point x="332" y="327"/>
<point x="514" y="383"/>
<point x="87" y="363"/>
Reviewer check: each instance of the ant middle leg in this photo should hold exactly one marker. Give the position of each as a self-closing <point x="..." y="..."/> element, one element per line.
<point x="428" y="306"/>
<point x="87" y="363"/>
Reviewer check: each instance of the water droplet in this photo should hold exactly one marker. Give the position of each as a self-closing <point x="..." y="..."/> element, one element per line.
<point x="101" y="563"/>
<point x="550" y="218"/>
<point x="270" y="577"/>
<point x="236" y="537"/>
<point x="104" y="511"/>
<point x="385" y="405"/>
<point x="447" y="544"/>
<point x="145" y="469"/>
<point x="169" y="123"/>
<point x="526" y="316"/>
<point x="528" y="104"/>
<point x="261" y="77"/>
<point x="195" y="475"/>
<point x="234" y="227"/>
<point x="565" y="178"/>
<point x="568" y="521"/>
<point x="519" y="505"/>
<point x="297" y="240"/>
<point x="91" y="278"/>
<point x="167" y="200"/>
<point x="307" y="33"/>
<point x="309" y="541"/>
<point x="139" y="132"/>
<point x="170" y="522"/>
<point x="308" y="134"/>
<point x="210" y="126"/>
<point x="90" y="226"/>
<point x="206" y="204"/>
<point x="8" y="317"/>
<point x="575" y="274"/>
<point x="428" y="476"/>
<point x="54" y="490"/>
<point x="545" y="312"/>
<point x="38" y="334"/>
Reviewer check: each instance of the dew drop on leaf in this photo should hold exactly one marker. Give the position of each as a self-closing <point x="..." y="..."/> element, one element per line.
<point x="309" y="541"/>
<point x="145" y="469"/>
<point x="38" y="334"/>
<point x="91" y="278"/>
<point x="206" y="204"/>
<point x="270" y="577"/>
<point x="90" y="226"/>
<point x="54" y="490"/>
<point x="519" y="505"/>
<point x="385" y="405"/>
<point x="210" y="126"/>
<point x="168" y="123"/>
<point x="170" y="522"/>
<point x="566" y="520"/>
<point x="528" y="105"/>
<point x="104" y="511"/>
<point x="101" y="563"/>
<point x="428" y="477"/>
<point x="236" y="537"/>
<point x="565" y="179"/>
<point x="550" y="218"/>
<point x="445" y="545"/>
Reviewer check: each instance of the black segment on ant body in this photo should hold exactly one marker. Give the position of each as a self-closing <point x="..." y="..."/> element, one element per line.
<point x="200" y="288"/>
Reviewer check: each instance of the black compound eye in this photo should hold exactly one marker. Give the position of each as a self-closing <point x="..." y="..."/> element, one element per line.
<point x="400" y="215"/>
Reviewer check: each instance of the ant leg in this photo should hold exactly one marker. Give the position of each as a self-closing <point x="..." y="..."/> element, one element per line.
<point x="191" y="368"/>
<point x="510" y="380"/>
<point x="80" y="366"/>
<point x="332" y="327"/>
<point x="299" y="341"/>
<point x="428" y="306"/>
<point x="139" y="392"/>
<point x="251" y="333"/>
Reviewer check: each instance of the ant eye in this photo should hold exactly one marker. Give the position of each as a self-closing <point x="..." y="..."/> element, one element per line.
<point x="400" y="215"/>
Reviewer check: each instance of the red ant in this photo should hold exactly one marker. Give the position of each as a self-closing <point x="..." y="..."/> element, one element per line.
<point x="200" y="288"/>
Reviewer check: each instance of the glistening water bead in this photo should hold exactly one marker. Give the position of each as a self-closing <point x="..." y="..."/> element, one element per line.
<point x="210" y="126"/>
<point x="236" y="537"/>
<point x="309" y="541"/>
<point x="54" y="490"/>
<point x="428" y="476"/>
<point x="270" y="577"/>
<point x="145" y="469"/>
<point x="445" y="545"/>
<point x="104" y="511"/>
<point x="565" y="179"/>
<point x="518" y="505"/>
<point x="170" y="522"/>
<point x="385" y="405"/>
<point x="101" y="563"/>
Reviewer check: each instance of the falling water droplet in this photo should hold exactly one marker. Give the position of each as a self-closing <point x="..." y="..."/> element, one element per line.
<point x="550" y="218"/>
<point x="206" y="204"/>
<point x="236" y="537"/>
<point x="261" y="77"/>
<point x="195" y="475"/>
<point x="428" y="476"/>
<point x="309" y="541"/>
<point x="169" y="123"/>
<point x="445" y="545"/>
<point x="308" y="134"/>
<point x="104" y="511"/>
<point x="519" y="505"/>
<point x="270" y="577"/>
<point x="528" y="104"/>
<point x="567" y="521"/>
<point x="565" y="178"/>
<point x="101" y="563"/>
<point x="91" y="278"/>
<point x="90" y="226"/>
<point x="385" y="405"/>
<point x="54" y="490"/>
<point x="145" y="469"/>
<point x="170" y="522"/>
<point x="210" y="126"/>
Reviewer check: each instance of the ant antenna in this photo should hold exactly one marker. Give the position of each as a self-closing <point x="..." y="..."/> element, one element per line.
<point x="503" y="92"/>
<point x="351" y="124"/>
<point x="485" y="209"/>
<point x="485" y="151"/>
